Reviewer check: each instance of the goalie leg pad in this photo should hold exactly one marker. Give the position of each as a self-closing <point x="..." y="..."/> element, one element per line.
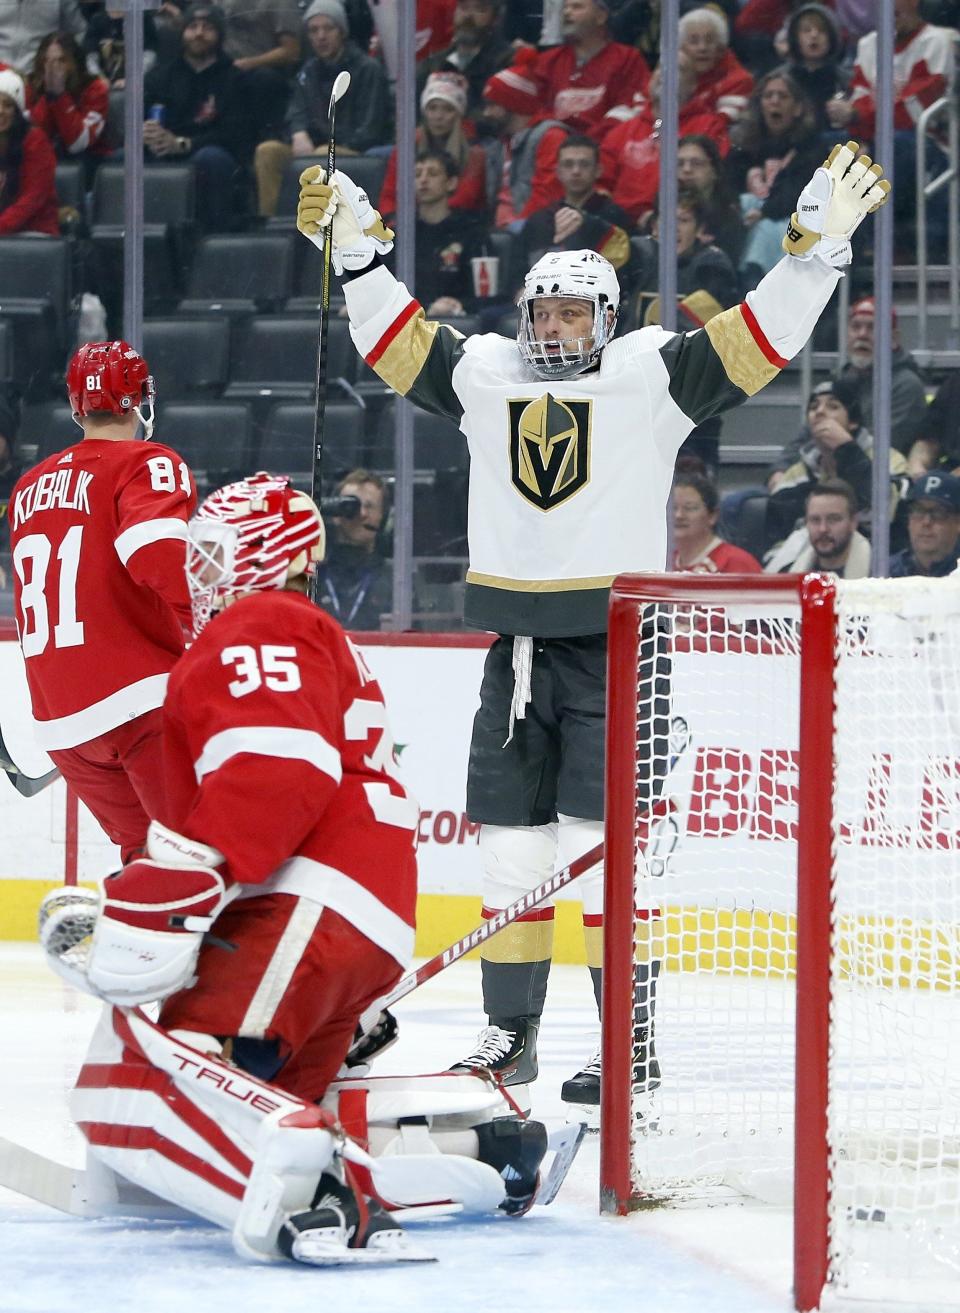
<point x="449" y="1137"/>
<point x="170" y="1118"/>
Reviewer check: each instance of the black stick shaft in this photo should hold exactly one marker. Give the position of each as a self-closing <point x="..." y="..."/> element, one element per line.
<point x="316" y="484"/>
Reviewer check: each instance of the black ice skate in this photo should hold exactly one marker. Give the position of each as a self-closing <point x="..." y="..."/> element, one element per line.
<point x="584" y="1088"/>
<point x="341" y="1228"/>
<point x="510" y="1051"/>
<point x="514" y="1148"/>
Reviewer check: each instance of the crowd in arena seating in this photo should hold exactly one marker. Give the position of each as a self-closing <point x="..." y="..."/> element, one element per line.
<point x="539" y="128"/>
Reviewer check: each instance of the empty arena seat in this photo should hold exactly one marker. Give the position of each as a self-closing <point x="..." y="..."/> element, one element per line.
<point x="187" y="357"/>
<point x="286" y="446"/>
<point x="240" y="274"/>
<point x="215" y="438"/>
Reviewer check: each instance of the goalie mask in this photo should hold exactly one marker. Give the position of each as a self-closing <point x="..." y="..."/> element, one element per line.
<point x="250" y="536"/>
<point x="582" y="274"/>
<point x="110" y="378"/>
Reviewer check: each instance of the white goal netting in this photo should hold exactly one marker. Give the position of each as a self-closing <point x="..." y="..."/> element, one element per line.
<point x="714" y="945"/>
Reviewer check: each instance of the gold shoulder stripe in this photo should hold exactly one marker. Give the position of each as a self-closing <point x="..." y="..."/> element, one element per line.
<point x="402" y="352"/>
<point x="539" y="585"/>
<point x="745" y="363"/>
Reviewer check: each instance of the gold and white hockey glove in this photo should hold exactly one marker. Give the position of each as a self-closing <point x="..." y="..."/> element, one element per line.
<point x="358" y="231"/>
<point x="833" y="204"/>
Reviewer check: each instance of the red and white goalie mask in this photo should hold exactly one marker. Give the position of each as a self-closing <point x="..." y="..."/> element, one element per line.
<point x="111" y="378"/>
<point x="250" y="536"/>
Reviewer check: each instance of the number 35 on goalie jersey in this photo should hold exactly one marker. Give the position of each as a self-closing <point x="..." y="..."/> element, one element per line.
<point x="278" y="752"/>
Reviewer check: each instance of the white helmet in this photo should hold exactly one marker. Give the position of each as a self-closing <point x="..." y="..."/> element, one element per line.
<point x="568" y="273"/>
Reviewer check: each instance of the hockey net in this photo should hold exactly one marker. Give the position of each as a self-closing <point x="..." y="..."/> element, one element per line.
<point x="782" y="917"/>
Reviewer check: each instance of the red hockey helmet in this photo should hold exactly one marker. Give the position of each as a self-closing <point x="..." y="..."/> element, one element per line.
<point x="112" y="378"/>
<point x="250" y="536"/>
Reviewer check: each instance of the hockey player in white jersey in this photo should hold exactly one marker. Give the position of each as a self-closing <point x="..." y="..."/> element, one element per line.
<point x="572" y="436"/>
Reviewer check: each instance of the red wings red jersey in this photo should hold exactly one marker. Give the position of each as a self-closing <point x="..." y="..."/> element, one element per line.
<point x="98" y="540"/>
<point x="581" y="94"/>
<point x="277" y="752"/>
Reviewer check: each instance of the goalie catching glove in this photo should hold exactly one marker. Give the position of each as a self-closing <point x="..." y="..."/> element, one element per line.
<point x="833" y="204"/>
<point x="357" y="231"/>
<point x="141" y="942"/>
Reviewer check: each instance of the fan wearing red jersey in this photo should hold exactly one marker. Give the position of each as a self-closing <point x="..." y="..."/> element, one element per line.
<point x="98" y="541"/>
<point x="287" y="833"/>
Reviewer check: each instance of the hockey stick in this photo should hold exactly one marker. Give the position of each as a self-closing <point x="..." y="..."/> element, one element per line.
<point x="414" y="979"/>
<point x="340" y="85"/>
<point x="25" y="785"/>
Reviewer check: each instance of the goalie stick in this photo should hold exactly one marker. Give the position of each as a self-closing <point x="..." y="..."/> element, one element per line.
<point x="25" y="785"/>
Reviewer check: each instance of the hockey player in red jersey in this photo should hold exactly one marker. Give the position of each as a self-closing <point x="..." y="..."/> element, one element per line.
<point x="98" y="540"/>
<point x="288" y="834"/>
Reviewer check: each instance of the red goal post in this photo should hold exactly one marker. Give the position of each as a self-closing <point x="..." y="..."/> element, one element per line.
<point x="783" y="896"/>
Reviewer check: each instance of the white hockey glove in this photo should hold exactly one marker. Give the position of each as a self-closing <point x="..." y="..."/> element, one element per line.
<point x="358" y="232"/>
<point x="833" y="204"/>
<point x="155" y="913"/>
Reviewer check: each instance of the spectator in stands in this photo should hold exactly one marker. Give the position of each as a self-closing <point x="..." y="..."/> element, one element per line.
<point x="828" y="539"/>
<point x="696" y="546"/>
<point x="10" y="471"/>
<point x="723" y="84"/>
<point x="937" y="444"/>
<point x="706" y="278"/>
<point x="775" y="144"/>
<point x="522" y="156"/>
<point x="103" y="45"/>
<point x="28" y="197"/>
<point x="582" y="217"/>
<point x="908" y="400"/>
<point x="355" y="582"/>
<point x="68" y="102"/>
<point x="580" y="81"/>
<point x="443" y="105"/>
<point x="201" y="98"/>
<point x="933" y="525"/>
<point x="446" y="240"/>
<point x="839" y="447"/>
<point x="630" y="156"/>
<point x="700" y="169"/>
<point x="814" y="51"/>
<point x="478" y="50"/>
<point x="24" y="25"/>
<point x="364" y="117"/>
<point x="263" y="40"/>
<point x="922" y="63"/>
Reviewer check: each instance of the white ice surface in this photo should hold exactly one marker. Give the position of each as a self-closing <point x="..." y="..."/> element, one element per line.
<point x="565" y="1258"/>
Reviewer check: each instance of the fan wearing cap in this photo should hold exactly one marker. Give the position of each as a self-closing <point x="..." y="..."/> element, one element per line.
<point x="443" y="104"/>
<point x="206" y="114"/>
<point x="908" y="402"/>
<point x="572" y="435"/>
<point x="98" y="541"/>
<point x="28" y="198"/>
<point x="364" y="118"/>
<point x="933" y="525"/>
<point x="838" y="446"/>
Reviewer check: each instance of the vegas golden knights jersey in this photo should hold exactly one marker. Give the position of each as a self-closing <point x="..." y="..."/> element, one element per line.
<point x="569" y="479"/>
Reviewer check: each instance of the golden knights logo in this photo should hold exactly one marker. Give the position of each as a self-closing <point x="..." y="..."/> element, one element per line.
<point x="549" y="449"/>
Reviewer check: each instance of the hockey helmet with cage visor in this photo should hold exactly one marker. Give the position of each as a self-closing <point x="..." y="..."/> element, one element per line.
<point x="111" y="378"/>
<point x="250" y="536"/>
<point x="565" y="275"/>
